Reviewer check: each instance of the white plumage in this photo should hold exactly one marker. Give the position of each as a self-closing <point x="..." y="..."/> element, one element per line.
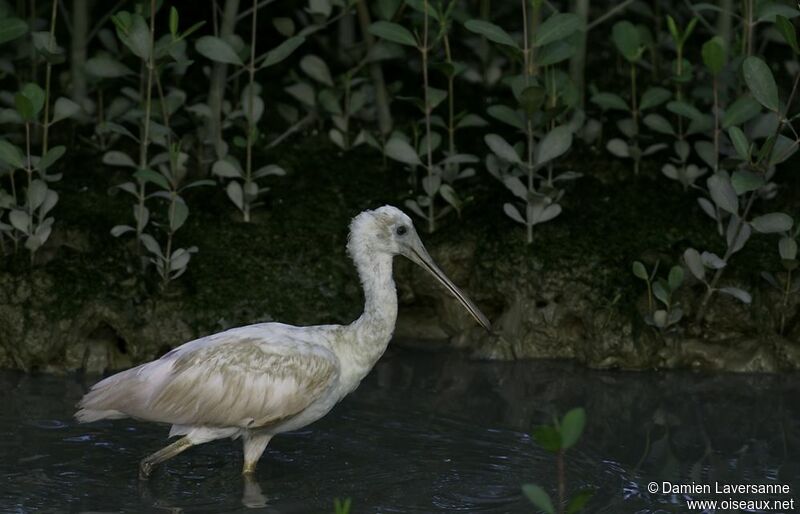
<point x="260" y="380"/>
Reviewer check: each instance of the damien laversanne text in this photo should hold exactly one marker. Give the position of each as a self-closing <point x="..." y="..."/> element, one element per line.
<point x="722" y="488"/>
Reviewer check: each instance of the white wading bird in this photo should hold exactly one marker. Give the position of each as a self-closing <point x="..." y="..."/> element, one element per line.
<point x="260" y="380"/>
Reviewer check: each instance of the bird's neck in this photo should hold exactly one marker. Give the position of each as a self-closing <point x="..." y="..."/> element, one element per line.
<point x="373" y="330"/>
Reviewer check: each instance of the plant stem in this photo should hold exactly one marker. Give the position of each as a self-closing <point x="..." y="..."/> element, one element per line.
<point x="424" y="51"/>
<point x="526" y="71"/>
<point x="635" y="116"/>
<point x="786" y="291"/>
<point x="712" y="286"/>
<point x="577" y="64"/>
<point x="148" y="101"/>
<point x="451" y="126"/>
<point x="763" y="167"/>
<point x="218" y="80"/>
<point x="32" y="23"/>
<point x="715" y="86"/>
<point x="48" y="74"/>
<point x="608" y="14"/>
<point x="250" y="121"/>
<point x="561" y="481"/>
<point x="724" y="21"/>
<point x="170" y="233"/>
<point x="29" y="170"/>
<point x="376" y="72"/>
<point x="748" y="28"/>
<point x="78" y="45"/>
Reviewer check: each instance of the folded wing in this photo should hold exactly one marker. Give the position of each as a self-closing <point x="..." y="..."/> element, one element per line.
<point x="238" y="381"/>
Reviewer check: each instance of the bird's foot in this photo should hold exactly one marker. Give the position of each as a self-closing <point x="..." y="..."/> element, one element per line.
<point x="145" y="469"/>
<point x="249" y="468"/>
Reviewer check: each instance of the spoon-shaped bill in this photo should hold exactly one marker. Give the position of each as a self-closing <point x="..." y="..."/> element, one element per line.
<point x="417" y="253"/>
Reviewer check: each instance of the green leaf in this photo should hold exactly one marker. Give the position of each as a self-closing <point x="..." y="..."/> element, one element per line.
<point x="787" y="248"/>
<point x="759" y="79"/>
<point x="572" y="425"/>
<point x="640" y="271"/>
<point x="435" y="97"/>
<point x="548" y="438"/>
<point x="24" y="107"/>
<point x="685" y="109"/>
<point x="675" y="278"/>
<point x="53" y="54"/>
<point x="714" y="54"/>
<point x="50" y="157"/>
<point x="502" y="149"/>
<point x="173" y="22"/>
<point x="11" y="155"/>
<point x="742" y="110"/>
<point x="579" y="501"/>
<point x="695" y="263"/>
<point x="659" y="124"/>
<point x="608" y="101"/>
<point x="740" y="294"/>
<point x="554" y="144"/>
<point x="217" y="50"/>
<point x="740" y="143"/>
<point x="11" y="29"/>
<point x="786" y="28"/>
<point x="507" y="115"/>
<point x="539" y="498"/>
<point x="178" y="215"/>
<point x="491" y="32"/>
<point x="36" y="193"/>
<point x="555" y="52"/>
<point x="235" y="193"/>
<point x="654" y="97"/>
<point x="769" y="10"/>
<point x="316" y="68"/>
<point x="627" y="40"/>
<point x="134" y="33"/>
<point x="392" y="32"/>
<point x="772" y="223"/>
<point x="282" y="51"/>
<point x="36" y="95"/>
<point x="557" y="27"/>
<point x="64" y="108"/>
<point x="723" y="194"/>
<point x="152" y="176"/>
<point x="531" y="99"/>
<point x="400" y="150"/>
<point x="673" y="28"/>
<point x="105" y="67"/>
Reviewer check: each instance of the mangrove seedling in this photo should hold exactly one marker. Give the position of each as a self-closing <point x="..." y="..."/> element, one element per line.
<point x="243" y="188"/>
<point x="557" y="439"/>
<point x="539" y="104"/>
<point x="786" y="281"/>
<point x="663" y="291"/>
<point x="628" y="41"/>
<point x="423" y="206"/>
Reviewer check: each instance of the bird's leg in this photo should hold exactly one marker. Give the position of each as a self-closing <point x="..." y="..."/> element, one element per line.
<point x="254" y="446"/>
<point x="148" y="463"/>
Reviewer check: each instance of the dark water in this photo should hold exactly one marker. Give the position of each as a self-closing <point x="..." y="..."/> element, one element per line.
<point x="424" y="433"/>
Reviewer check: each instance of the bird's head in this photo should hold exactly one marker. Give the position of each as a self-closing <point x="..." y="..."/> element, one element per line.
<point x="388" y="230"/>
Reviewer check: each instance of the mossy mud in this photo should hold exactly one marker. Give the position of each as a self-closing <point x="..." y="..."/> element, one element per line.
<point x="85" y="305"/>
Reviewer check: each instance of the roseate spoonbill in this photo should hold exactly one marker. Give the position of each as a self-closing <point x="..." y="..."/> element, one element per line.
<point x="260" y="380"/>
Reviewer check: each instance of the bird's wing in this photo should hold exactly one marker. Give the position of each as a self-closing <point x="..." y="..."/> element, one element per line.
<point x="235" y="378"/>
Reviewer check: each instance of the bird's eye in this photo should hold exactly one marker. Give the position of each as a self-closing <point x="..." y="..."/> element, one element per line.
<point x="401" y="230"/>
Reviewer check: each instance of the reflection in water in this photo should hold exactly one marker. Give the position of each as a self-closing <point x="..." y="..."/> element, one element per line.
<point x="424" y="433"/>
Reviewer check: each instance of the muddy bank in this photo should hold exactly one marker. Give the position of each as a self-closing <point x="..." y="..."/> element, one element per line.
<point x="569" y="295"/>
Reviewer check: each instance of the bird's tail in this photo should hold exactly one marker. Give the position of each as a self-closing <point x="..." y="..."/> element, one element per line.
<point x="106" y="399"/>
